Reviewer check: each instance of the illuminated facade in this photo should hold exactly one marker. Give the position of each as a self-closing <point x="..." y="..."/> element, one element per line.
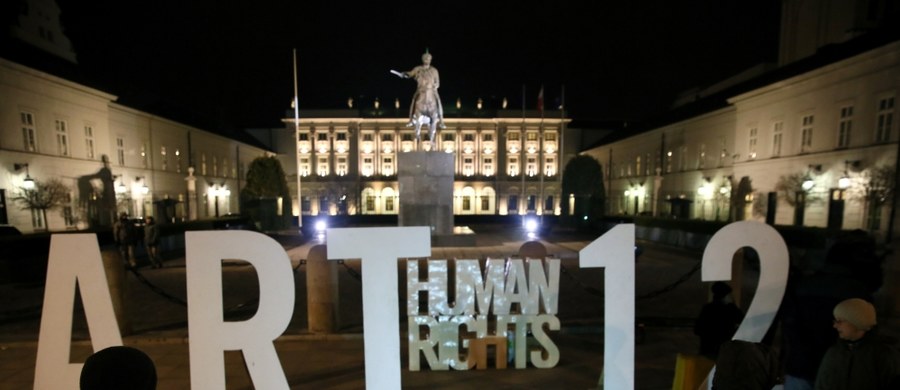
<point x="348" y="164"/>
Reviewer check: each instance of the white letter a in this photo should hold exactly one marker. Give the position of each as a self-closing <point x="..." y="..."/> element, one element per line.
<point x="73" y="258"/>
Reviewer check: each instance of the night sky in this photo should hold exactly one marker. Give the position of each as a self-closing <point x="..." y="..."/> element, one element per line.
<point x="230" y="61"/>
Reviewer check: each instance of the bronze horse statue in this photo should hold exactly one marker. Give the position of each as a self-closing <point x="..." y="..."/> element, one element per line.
<point x="426" y="112"/>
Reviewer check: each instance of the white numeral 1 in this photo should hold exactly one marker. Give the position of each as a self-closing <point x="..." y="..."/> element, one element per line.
<point x="615" y="251"/>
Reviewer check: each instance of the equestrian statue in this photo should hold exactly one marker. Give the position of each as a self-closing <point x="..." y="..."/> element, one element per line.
<point x="425" y="108"/>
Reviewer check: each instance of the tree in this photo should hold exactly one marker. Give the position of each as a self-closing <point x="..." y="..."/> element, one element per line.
<point x="45" y="195"/>
<point x="583" y="180"/>
<point x="876" y="188"/>
<point x="266" y="183"/>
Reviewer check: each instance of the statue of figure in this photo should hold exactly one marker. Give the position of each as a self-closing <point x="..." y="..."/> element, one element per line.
<point x="100" y="206"/>
<point x="425" y="107"/>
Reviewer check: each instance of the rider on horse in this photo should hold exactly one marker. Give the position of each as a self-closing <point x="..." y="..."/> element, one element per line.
<point x="426" y="93"/>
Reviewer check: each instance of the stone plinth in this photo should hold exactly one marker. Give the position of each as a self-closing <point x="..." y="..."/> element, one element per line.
<point x="426" y="190"/>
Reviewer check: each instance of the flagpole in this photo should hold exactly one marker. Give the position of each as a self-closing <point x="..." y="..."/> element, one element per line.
<point x="522" y="163"/>
<point x="540" y="167"/>
<point x="296" y="146"/>
<point x="562" y="142"/>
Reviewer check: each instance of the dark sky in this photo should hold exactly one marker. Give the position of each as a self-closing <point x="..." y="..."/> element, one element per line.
<point x="231" y="60"/>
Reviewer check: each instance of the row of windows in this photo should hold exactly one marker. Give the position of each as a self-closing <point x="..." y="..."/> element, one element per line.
<point x="883" y="125"/>
<point x="387" y="168"/>
<point x="408" y="136"/>
<point x="62" y="137"/>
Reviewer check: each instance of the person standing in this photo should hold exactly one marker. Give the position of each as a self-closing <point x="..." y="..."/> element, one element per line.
<point x="151" y="240"/>
<point x="718" y="320"/>
<point x="860" y="359"/>
<point x="124" y="234"/>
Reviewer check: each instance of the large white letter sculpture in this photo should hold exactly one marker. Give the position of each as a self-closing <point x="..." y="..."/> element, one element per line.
<point x="379" y="249"/>
<point x="73" y="258"/>
<point x="210" y="335"/>
<point x="615" y="252"/>
<point x="773" y="273"/>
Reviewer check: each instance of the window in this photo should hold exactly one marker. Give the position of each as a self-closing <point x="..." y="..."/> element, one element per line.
<point x="304" y="167"/>
<point x="62" y="138"/>
<point x="806" y="133"/>
<point x="177" y="160"/>
<point x="341" y="168"/>
<point x="487" y="166"/>
<point x="485" y="203"/>
<point x="531" y="166"/>
<point x="303" y="137"/>
<point x="885" y="120"/>
<point x="647" y="164"/>
<point x="165" y="158"/>
<point x="845" y="126"/>
<point x="203" y="164"/>
<point x="550" y="136"/>
<point x="701" y="158"/>
<point x="89" y="142"/>
<point x="550" y="166"/>
<point x="27" y="120"/>
<point x="513" y="169"/>
<point x="777" y="128"/>
<point x="144" y="154"/>
<point x="215" y="165"/>
<point x="513" y="136"/>
<point x="389" y="204"/>
<point x="407" y="137"/>
<point x="466" y="203"/>
<point x="487" y="137"/>
<point x="531" y="136"/>
<point x="751" y="147"/>
<point x="448" y="136"/>
<point x="341" y="136"/>
<point x="387" y="137"/>
<point x="120" y="151"/>
<point x="387" y="166"/>
<point x="637" y="165"/>
<point x="322" y="166"/>
<point x="370" y="203"/>
<point x="468" y="137"/>
<point x="322" y="136"/>
<point x="367" y="136"/>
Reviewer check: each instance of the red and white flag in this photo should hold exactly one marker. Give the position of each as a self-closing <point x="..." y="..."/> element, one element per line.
<point x="540" y="102"/>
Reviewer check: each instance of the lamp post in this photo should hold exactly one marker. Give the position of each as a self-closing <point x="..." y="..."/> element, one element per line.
<point x="28" y="183"/>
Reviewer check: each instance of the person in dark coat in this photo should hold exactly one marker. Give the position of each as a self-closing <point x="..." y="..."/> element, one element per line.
<point x="124" y="234"/>
<point x="851" y="269"/>
<point x="860" y="359"/>
<point x="151" y="240"/>
<point x="718" y="320"/>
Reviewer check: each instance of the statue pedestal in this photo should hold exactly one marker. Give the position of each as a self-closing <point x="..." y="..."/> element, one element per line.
<point x="426" y="196"/>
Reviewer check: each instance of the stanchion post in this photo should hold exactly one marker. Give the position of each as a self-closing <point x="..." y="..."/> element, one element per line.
<point x="321" y="291"/>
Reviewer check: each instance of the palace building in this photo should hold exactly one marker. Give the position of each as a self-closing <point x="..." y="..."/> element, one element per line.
<point x="346" y="160"/>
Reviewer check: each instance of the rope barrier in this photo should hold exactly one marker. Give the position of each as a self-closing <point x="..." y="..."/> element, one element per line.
<point x="350" y="270"/>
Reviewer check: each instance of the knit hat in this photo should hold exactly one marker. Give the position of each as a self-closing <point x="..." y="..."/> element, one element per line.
<point x="857" y="312"/>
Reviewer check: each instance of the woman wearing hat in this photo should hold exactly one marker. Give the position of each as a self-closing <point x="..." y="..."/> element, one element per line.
<point x="860" y="359"/>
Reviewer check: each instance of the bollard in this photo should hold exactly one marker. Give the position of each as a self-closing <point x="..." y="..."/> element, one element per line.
<point x="321" y="291"/>
<point x="533" y="250"/>
<point x="115" y="278"/>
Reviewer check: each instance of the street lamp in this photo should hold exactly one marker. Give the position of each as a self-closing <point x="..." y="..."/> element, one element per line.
<point x="28" y="183"/>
